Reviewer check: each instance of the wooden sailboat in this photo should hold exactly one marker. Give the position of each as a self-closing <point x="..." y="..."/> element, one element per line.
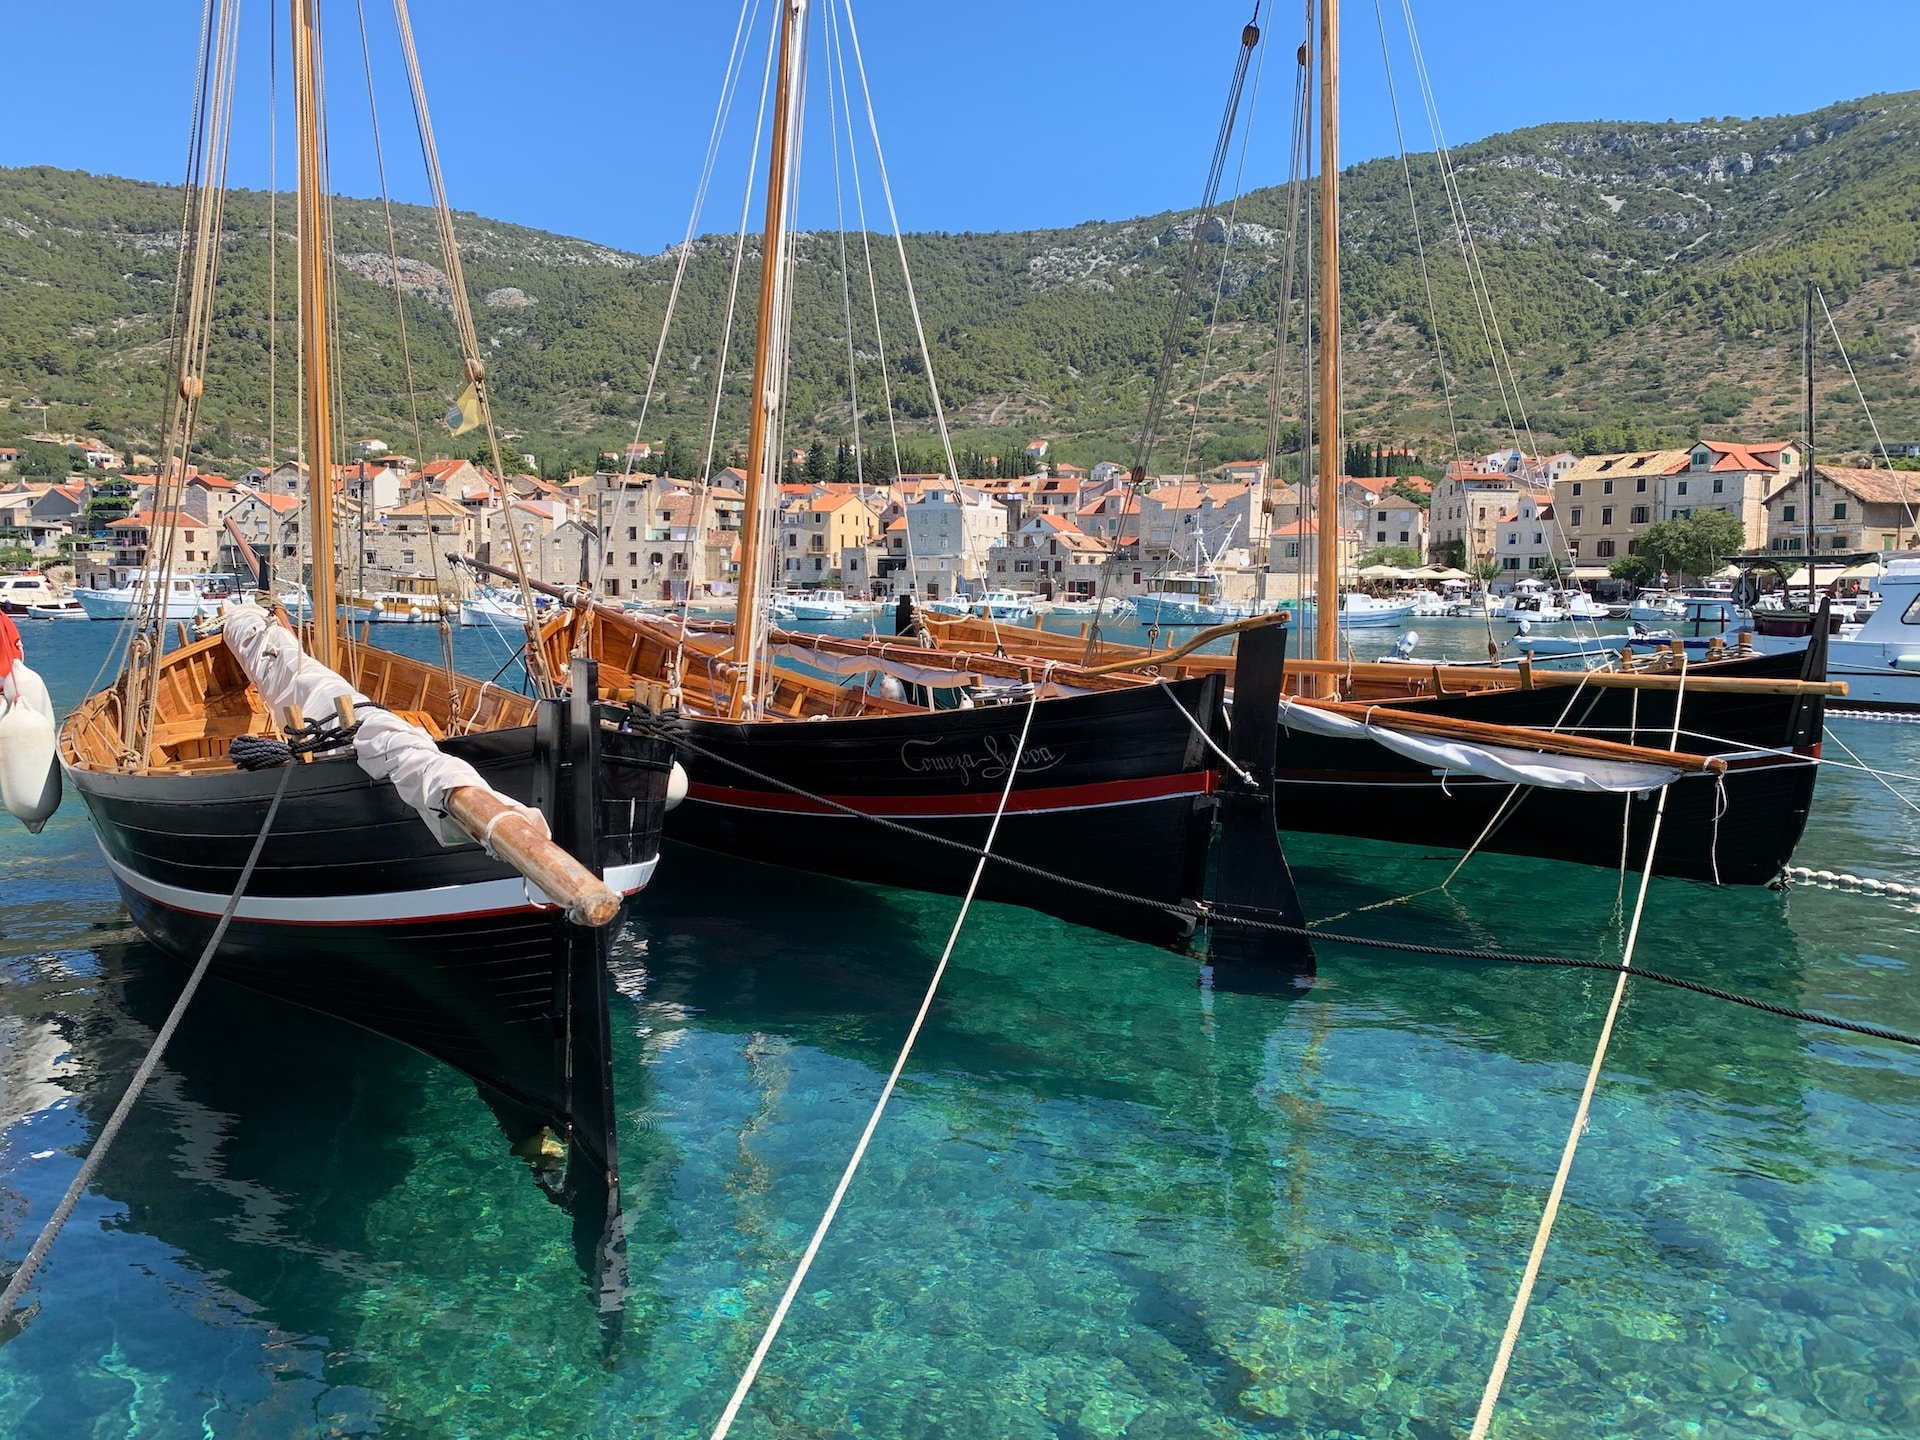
<point x="460" y="943"/>
<point x="1115" y="795"/>
<point x="1762" y="715"/>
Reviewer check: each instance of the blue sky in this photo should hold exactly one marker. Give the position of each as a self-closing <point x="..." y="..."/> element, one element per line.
<point x="589" y="117"/>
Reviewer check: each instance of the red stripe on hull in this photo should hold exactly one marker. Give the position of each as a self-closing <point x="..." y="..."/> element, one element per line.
<point x="941" y="807"/>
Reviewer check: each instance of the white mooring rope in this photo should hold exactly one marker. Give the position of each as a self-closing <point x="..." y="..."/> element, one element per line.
<point x="752" y="1371"/>
<point x="84" y="1176"/>
<point x="1490" y="1397"/>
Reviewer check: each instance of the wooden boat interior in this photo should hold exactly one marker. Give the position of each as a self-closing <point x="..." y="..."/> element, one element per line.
<point x="640" y="654"/>
<point x="1356" y="679"/>
<point x="204" y="700"/>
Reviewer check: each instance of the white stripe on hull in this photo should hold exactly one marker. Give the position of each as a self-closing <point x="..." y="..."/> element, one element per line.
<point x="442" y="902"/>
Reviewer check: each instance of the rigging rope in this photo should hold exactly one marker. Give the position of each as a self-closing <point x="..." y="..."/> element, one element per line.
<point x="440" y="589"/>
<point x="1201" y="914"/>
<point x="17" y="1285"/>
<point x="1906" y="496"/>
<point x="539" y="672"/>
<point x="886" y="1091"/>
<point x="838" y="54"/>
<point x="1490" y="1397"/>
<point x="1413" y="211"/>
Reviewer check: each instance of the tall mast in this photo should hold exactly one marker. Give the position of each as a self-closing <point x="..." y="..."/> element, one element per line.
<point x="1326" y="605"/>
<point x="747" y="621"/>
<point x="1806" y="460"/>
<point x="314" y="260"/>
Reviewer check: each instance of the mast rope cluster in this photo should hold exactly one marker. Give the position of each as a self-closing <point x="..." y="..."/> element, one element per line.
<point x="544" y="682"/>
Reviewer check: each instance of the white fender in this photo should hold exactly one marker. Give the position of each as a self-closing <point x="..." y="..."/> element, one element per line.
<point x="676" y="785"/>
<point x="29" y="768"/>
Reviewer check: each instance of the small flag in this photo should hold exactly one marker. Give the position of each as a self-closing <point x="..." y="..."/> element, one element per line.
<point x="465" y="414"/>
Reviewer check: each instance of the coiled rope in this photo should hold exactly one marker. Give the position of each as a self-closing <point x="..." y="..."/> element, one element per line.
<point x="17" y="1285"/>
<point x="1203" y="914"/>
<point x="767" y="1337"/>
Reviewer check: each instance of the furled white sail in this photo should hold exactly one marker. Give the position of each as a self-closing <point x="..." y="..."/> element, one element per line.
<point x="386" y="746"/>
<point x="1495" y="762"/>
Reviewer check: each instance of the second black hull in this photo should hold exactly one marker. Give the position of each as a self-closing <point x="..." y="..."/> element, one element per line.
<point x="1114" y="793"/>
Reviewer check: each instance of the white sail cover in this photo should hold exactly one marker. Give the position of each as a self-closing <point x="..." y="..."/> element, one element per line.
<point x="387" y="747"/>
<point x="1495" y="762"/>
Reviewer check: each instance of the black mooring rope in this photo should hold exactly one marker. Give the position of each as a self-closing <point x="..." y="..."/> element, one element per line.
<point x="1200" y="914"/>
<point x="64" y="1210"/>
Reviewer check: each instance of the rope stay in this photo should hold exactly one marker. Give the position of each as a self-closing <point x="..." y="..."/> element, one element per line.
<point x="772" y="1330"/>
<point x="1202" y="914"/>
<point x="539" y="672"/>
<point x="1906" y="493"/>
<point x="1490" y="1397"/>
<point x="62" y="1212"/>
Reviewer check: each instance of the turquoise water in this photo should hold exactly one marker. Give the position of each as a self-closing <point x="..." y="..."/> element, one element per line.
<point x="1105" y="1201"/>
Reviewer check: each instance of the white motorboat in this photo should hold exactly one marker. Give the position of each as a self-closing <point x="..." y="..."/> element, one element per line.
<point x="1711" y="605"/>
<point x="1879" y="657"/>
<point x="1656" y="605"/>
<point x="65" y="608"/>
<point x="1366" y="612"/>
<point x="1011" y="606"/>
<point x="18" y="593"/>
<point x="493" y="606"/>
<point x="183" y="597"/>
<point x="820" y="605"/>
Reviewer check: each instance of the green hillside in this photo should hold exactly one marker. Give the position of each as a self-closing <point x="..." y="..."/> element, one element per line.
<point x="1648" y="278"/>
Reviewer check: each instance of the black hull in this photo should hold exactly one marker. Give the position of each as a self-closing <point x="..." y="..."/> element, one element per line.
<point x="1738" y="829"/>
<point x="1114" y="790"/>
<point x="356" y="910"/>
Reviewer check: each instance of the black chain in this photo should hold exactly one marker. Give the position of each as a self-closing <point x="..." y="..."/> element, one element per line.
<point x="1198" y="914"/>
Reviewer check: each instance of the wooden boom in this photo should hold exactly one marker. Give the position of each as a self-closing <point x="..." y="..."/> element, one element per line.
<point x="506" y="832"/>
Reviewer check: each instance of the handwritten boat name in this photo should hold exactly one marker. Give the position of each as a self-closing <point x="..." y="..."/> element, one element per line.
<point x="988" y="761"/>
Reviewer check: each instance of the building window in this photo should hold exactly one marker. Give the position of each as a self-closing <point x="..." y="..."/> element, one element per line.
<point x="1786" y="512"/>
<point x="1603" y="549"/>
<point x="1513" y="538"/>
<point x="1719" y="485"/>
<point x="1640" y="485"/>
<point x="1606" y="487"/>
<point x="1576" y="517"/>
<point x="1639" y="514"/>
<point x="1683" y="487"/>
<point x="1403" y="537"/>
<point x="1632" y="545"/>
<point x="633" y="532"/>
<point x="1606" y="513"/>
<point x="1576" y="492"/>
<point x="1839" y="513"/>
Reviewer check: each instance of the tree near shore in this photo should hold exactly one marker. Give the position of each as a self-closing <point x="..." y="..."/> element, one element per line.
<point x="1694" y="545"/>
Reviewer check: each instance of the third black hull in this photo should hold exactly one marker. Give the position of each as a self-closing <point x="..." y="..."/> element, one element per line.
<point x="1737" y="829"/>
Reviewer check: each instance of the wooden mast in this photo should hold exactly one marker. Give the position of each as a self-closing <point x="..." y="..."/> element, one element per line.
<point x="314" y="331"/>
<point x="766" y="399"/>
<point x="1326" y="549"/>
<point x="1806" y="461"/>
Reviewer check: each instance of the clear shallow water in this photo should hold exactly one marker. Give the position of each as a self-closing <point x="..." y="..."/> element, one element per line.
<point x="1105" y="1201"/>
